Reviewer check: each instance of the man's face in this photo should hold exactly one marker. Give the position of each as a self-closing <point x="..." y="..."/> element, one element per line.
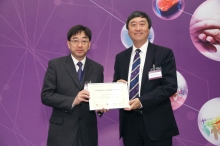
<point x="79" y="45"/>
<point x="138" y="30"/>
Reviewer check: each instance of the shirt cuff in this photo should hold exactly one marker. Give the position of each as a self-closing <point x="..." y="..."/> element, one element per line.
<point x="141" y="106"/>
<point x="72" y="106"/>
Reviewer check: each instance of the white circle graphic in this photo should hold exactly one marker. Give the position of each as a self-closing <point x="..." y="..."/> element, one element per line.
<point x="209" y="121"/>
<point x="204" y="29"/>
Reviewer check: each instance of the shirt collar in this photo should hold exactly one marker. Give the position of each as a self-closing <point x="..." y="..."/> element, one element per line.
<point x="75" y="61"/>
<point x="143" y="48"/>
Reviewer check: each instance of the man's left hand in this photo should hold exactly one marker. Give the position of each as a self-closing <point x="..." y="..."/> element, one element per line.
<point x="134" y="104"/>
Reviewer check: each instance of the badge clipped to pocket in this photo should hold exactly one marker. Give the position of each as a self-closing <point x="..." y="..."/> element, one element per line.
<point x="155" y="73"/>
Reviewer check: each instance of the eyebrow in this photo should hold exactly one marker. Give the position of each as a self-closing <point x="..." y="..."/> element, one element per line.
<point x="138" y="21"/>
<point x="74" y="37"/>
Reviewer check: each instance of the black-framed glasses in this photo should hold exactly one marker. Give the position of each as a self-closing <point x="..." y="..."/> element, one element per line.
<point x="76" y="42"/>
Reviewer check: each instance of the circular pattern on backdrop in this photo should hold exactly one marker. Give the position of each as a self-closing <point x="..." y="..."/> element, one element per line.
<point x="209" y="121"/>
<point x="179" y="98"/>
<point x="205" y="29"/>
<point x="126" y="40"/>
<point x="168" y="9"/>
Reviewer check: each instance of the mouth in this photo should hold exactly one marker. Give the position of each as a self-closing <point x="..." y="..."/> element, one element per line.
<point x="79" y="51"/>
<point x="138" y="33"/>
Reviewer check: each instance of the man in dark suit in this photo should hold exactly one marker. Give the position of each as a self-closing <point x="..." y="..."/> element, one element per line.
<point x="71" y="122"/>
<point x="149" y="121"/>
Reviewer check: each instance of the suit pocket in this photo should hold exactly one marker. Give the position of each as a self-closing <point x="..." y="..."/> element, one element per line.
<point x="56" y="119"/>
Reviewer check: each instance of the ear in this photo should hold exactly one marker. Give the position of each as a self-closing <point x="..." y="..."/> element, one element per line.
<point x="68" y="44"/>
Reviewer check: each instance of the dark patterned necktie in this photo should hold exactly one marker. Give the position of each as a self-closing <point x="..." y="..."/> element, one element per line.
<point x="80" y="72"/>
<point x="134" y="79"/>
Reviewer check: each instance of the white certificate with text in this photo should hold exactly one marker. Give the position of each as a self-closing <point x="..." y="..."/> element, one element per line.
<point x="108" y="95"/>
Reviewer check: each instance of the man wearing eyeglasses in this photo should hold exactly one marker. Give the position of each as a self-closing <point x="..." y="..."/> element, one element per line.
<point x="71" y="122"/>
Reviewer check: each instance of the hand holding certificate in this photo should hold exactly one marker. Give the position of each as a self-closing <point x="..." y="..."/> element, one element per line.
<point x="108" y="95"/>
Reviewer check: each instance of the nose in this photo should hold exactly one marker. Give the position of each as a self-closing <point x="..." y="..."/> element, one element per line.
<point x="138" y="27"/>
<point x="80" y="43"/>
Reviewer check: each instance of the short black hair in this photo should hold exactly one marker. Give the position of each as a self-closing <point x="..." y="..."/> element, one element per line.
<point x="78" y="29"/>
<point x="139" y="14"/>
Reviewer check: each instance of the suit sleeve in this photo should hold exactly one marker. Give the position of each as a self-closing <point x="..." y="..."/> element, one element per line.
<point x="101" y="77"/>
<point x="164" y="87"/>
<point x="49" y="96"/>
<point x="116" y="70"/>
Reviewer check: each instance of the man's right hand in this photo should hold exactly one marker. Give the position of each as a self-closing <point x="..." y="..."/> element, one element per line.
<point x="82" y="96"/>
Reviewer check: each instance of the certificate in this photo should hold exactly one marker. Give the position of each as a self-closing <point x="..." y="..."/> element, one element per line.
<point x="108" y="95"/>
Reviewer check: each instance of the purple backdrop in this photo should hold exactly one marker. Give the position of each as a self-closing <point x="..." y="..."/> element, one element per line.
<point x="34" y="31"/>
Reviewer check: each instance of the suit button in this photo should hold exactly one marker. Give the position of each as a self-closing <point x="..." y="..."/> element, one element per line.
<point x="79" y="119"/>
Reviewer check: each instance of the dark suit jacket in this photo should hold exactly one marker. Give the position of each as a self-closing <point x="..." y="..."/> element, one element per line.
<point x="154" y="95"/>
<point x="60" y="87"/>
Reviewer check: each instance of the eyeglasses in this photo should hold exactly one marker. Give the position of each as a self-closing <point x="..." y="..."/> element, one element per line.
<point x="76" y="42"/>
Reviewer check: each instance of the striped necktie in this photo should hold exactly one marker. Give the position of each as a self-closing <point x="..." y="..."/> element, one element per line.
<point x="134" y="79"/>
<point x="80" y="72"/>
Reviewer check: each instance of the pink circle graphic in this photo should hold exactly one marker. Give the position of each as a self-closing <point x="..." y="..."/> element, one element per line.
<point x="178" y="99"/>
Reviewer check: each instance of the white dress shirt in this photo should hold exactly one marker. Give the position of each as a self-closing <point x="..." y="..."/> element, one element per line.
<point x="75" y="61"/>
<point x="142" y="58"/>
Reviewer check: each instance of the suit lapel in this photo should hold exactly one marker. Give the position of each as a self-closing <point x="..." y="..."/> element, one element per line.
<point x="70" y="67"/>
<point x="87" y="69"/>
<point x="127" y="59"/>
<point x="149" y="61"/>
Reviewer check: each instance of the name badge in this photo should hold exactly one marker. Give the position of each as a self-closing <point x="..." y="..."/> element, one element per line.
<point x="155" y="73"/>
